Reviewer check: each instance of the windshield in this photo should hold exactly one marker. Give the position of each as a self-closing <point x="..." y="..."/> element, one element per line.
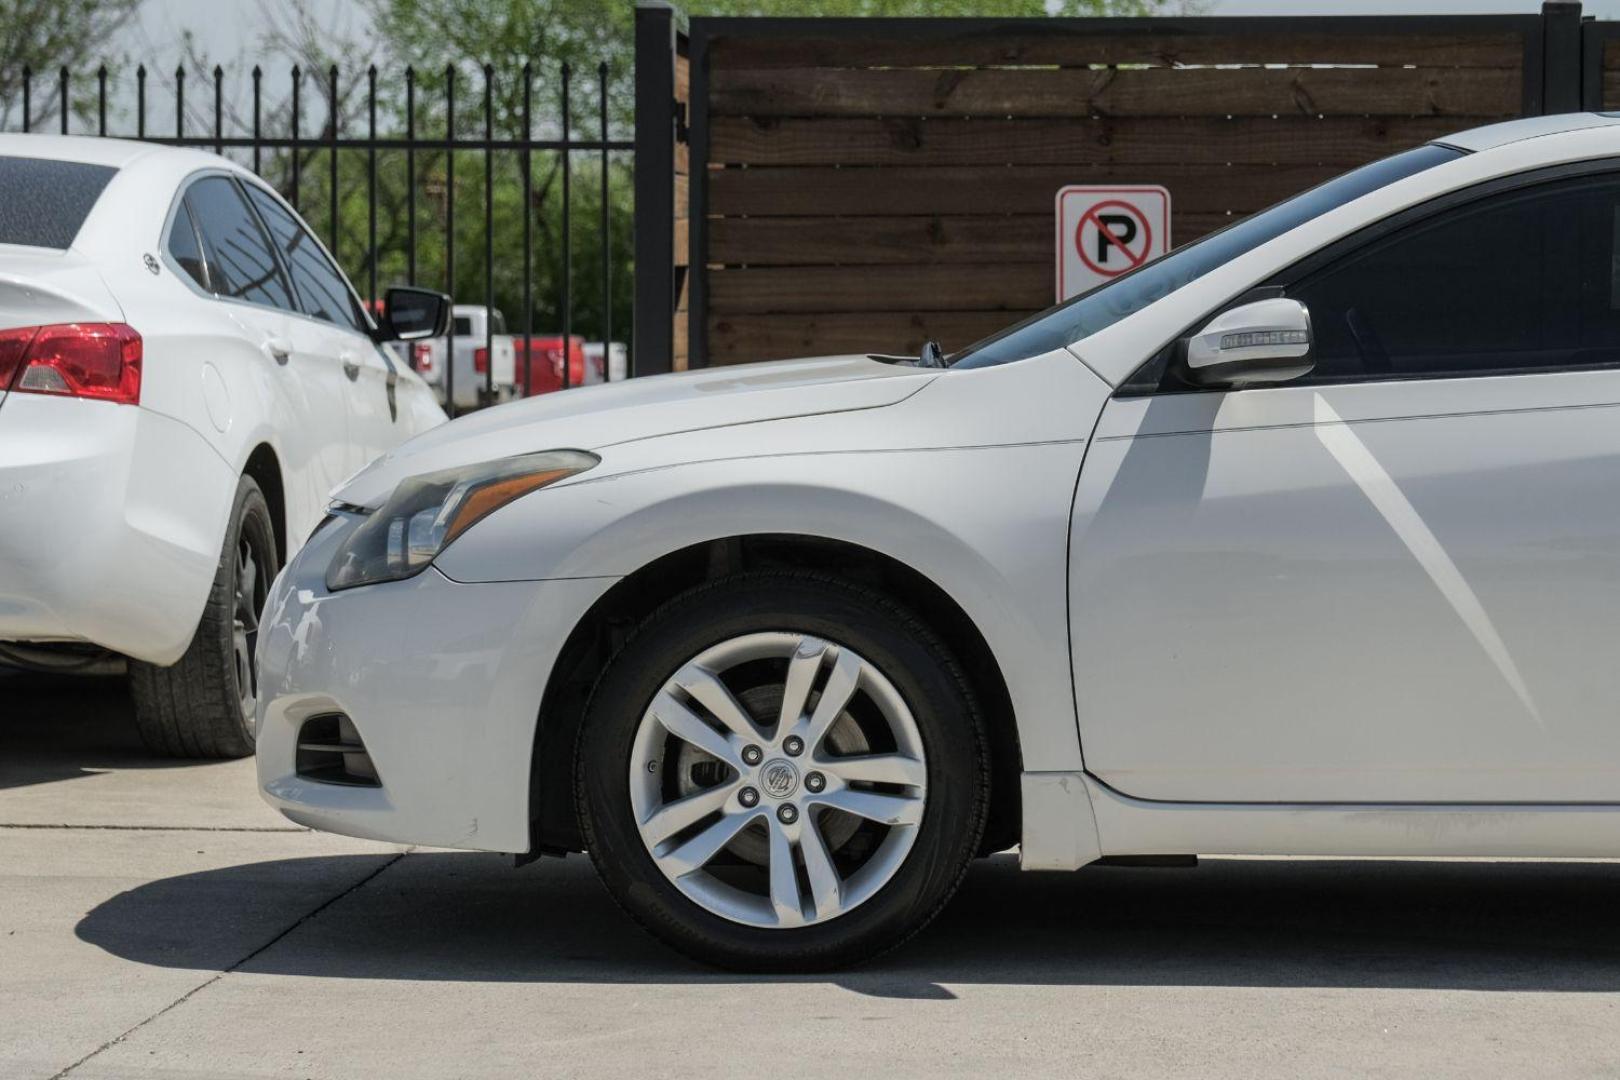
<point x="1079" y="318"/>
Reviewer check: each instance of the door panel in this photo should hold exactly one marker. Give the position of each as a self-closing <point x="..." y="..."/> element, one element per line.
<point x="335" y="327"/>
<point x="241" y="268"/>
<point x="320" y="446"/>
<point x="375" y="424"/>
<point x="1306" y="594"/>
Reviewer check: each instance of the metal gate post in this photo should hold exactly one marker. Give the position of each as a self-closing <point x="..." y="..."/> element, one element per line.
<point x="1561" y="56"/>
<point x="653" y="342"/>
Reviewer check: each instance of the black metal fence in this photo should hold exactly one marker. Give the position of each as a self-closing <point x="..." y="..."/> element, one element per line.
<point x="283" y="158"/>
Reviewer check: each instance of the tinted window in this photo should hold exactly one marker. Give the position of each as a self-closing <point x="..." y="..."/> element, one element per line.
<point x="322" y="291"/>
<point x="43" y="203"/>
<point x="1105" y="305"/>
<point x="1520" y="281"/>
<point x="183" y="248"/>
<point x="461" y="326"/>
<point x="238" y="252"/>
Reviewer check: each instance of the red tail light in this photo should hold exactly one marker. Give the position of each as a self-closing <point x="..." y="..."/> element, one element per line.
<point x="480" y="360"/>
<point x="13" y="343"/>
<point x="87" y="360"/>
<point x="422" y="356"/>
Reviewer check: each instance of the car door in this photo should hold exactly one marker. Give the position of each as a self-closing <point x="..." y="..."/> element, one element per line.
<point x="340" y="328"/>
<point x="304" y="401"/>
<point x="1396" y="579"/>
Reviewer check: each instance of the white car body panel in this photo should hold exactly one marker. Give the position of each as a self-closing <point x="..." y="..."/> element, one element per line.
<point x="94" y="539"/>
<point x="1349" y="619"/>
<point x="597" y="416"/>
<point x="115" y="515"/>
<point x="1349" y="530"/>
<point x="449" y="702"/>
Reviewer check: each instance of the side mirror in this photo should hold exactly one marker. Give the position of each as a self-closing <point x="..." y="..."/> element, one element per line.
<point x="1267" y="341"/>
<point x="411" y="314"/>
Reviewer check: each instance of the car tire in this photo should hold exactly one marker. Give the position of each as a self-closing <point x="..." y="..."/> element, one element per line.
<point x="198" y="706"/>
<point x="915" y="676"/>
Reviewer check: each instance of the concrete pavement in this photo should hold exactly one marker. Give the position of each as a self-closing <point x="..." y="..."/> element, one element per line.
<point x="157" y="920"/>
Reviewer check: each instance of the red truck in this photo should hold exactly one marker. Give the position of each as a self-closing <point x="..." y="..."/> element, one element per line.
<point x="544" y="355"/>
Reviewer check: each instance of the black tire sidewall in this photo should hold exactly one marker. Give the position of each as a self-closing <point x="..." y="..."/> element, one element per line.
<point x="886" y="635"/>
<point x="192" y="708"/>
<point x="252" y="511"/>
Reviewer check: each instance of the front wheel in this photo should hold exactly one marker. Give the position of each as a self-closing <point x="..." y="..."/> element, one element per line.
<point x="781" y="771"/>
<point x="203" y="705"/>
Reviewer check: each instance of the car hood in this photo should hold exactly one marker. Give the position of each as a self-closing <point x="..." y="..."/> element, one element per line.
<point x="594" y="417"/>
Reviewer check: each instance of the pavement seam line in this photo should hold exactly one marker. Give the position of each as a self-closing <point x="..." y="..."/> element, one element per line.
<point x="158" y="828"/>
<point x="211" y="980"/>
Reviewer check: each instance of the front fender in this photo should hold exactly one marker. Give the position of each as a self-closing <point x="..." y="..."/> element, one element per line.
<point x="987" y="525"/>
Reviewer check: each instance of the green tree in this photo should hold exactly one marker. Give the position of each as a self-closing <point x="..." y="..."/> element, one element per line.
<point x="43" y="37"/>
<point x="462" y="39"/>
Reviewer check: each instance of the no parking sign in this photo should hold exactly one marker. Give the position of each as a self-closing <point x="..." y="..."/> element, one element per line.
<point x="1103" y="232"/>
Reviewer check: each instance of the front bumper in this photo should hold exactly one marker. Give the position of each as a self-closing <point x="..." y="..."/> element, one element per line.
<point x="443" y="682"/>
<point x="111" y="522"/>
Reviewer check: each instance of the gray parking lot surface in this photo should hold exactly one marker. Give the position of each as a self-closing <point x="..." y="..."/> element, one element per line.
<point x="157" y="920"/>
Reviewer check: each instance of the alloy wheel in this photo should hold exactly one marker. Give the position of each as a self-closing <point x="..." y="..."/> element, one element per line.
<point x="746" y="791"/>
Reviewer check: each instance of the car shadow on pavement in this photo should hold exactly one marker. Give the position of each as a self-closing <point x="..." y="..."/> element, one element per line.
<point x="1480" y="926"/>
<point x="58" y="727"/>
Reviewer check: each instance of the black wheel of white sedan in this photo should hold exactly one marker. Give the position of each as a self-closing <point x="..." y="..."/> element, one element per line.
<point x="782" y="771"/>
<point x="203" y="705"/>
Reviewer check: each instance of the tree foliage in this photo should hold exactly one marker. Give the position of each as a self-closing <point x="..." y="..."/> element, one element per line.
<point x="467" y="42"/>
<point x="44" y="35"/>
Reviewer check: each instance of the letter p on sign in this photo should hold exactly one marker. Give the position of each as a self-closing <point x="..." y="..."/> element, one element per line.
<point x="1103" y="232"/>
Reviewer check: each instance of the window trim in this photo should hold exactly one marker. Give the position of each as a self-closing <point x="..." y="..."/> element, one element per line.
<point x="183" y="190"/>
<point x="179" y="203"/>
<point x="1153" y="377"/>
<point x="168" y="260"/>
<point x="368" y="328"/>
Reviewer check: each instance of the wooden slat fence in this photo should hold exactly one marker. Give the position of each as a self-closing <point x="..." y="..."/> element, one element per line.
<point x="869" y="184"/>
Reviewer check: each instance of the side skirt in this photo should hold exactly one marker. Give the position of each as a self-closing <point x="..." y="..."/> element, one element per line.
<point x="1129" y="826"/>
<point x="1072" y="819"/>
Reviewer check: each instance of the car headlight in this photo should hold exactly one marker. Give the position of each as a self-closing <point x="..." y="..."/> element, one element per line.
<point x="425" y="513"/>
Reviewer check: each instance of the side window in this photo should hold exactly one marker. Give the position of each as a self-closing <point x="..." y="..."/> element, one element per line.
<point x="1522" y="281"/>
<point x="239" y="257"/>
<point x="183" y="247"/>
<point x="322" y="291"/>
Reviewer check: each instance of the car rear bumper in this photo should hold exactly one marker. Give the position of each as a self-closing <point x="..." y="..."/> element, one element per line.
<point x="441" y="680"/>
<point x="111" y="519"/>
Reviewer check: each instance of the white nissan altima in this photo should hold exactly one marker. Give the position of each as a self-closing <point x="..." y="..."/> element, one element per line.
<point x="1304" y="539"/>
<point x="184" y="376"/>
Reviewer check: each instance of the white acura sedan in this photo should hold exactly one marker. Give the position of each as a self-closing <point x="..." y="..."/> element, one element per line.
<point x="185" y="375"/>
<point x="1304" y="539"/>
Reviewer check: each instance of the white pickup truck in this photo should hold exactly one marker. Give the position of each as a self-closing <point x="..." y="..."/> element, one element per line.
<point x="478" y="346"/>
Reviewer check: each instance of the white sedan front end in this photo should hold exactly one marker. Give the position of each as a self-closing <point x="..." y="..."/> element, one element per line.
<point x="437" y="683"/>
